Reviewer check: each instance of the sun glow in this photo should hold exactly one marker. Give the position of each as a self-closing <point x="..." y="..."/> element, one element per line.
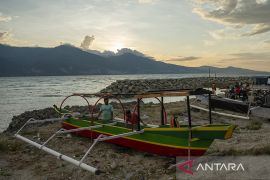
<point x="116" y="46"/>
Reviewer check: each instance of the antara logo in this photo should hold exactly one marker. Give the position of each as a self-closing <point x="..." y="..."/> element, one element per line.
<point x="189" y="164"/>
<point x="211" y="167"/>
<point x="220" y="167"/>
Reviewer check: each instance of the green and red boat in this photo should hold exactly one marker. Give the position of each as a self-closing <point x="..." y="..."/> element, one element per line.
<point x="164" y="139"/>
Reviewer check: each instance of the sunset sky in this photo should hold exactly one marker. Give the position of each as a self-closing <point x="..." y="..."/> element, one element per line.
<point x="185" y="32"/>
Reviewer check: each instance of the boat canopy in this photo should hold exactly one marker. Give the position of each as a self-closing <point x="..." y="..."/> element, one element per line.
<point x="169" y="93"/>
<point x="152" y="93"/>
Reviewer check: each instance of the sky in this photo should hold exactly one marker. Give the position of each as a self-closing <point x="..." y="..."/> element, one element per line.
<point x="193" y="33"/>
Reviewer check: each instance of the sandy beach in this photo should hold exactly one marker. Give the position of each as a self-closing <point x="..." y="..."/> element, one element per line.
<point x="22" y="161"/>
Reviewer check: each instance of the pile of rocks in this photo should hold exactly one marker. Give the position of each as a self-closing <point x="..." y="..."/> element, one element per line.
<point x="262" y="97"/>
<point x="144" y="85"/>
<point x="20" y="120"/>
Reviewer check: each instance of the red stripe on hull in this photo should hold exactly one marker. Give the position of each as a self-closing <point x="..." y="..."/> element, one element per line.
<point x="141" y="146"/>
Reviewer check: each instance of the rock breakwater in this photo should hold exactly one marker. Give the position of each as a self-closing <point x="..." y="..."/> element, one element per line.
<point x="144" y="85"/>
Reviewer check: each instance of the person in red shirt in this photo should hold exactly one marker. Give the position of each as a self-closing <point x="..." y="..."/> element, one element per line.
<point x="237" y="91"/>
<point x="132" y="118"/>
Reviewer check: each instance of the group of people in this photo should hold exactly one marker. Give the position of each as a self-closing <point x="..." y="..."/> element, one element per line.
<point x="239" y="91"/>
<point x="236" y="91"/>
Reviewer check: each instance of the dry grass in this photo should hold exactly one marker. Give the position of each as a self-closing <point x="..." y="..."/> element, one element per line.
<point x="254" y="125"/>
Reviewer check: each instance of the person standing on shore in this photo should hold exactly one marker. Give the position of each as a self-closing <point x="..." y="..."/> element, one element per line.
<point x="245" y="92"/>
<point x="214" y="88"/>
<point x="106" y="111"/>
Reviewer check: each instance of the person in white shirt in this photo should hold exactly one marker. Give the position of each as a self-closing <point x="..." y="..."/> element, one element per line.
<point x="106" y="111"/>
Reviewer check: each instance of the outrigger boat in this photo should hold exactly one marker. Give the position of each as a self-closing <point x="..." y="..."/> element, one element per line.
<point x="218" y="102"/>
<point x="244" y="109"/>
<point x="164" y="139"/>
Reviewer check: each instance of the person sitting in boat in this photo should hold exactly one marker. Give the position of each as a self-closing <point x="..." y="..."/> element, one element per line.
<point x="237" y="91"/>
<point x="174" y="122"/>
<point x="214" y="88"/>
<point x="231" y="92"/>
<point x="132" y="118"/>
<point x="106" y="111"/>
<point x="245" y="92"/>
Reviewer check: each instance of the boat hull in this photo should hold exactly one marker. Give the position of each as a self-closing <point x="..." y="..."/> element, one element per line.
<point x="142" y="144"/>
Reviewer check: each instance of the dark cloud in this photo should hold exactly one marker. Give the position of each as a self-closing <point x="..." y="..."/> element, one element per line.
<point x="88" y="40"/>
<point x="238" y="13"/>
<point x="268" y="41"/>
<point x="188" y="58"/>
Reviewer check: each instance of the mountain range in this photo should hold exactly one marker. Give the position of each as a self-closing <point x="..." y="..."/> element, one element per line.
<point x="70" y="60"/>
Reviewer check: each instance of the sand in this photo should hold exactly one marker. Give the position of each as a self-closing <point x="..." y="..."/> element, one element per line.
<point x="22" y="161"/>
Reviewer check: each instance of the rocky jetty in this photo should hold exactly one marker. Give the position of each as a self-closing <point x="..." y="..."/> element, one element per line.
<point x="143" y="85"/>
<point x="262" y="97"/>
<point x="20" y="120"/>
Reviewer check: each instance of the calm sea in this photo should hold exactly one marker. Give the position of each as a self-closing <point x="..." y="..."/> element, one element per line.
<point x="19" y="94"/>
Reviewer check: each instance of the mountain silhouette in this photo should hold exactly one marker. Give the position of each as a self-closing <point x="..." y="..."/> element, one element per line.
<point x="69" y="60"/>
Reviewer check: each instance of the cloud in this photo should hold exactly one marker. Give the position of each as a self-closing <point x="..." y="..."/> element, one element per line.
<point x="4" y="18"/>
<point x="258" y="29"/>
<point x="252" y="56"/>
<point x="145" y="1"/>
<point x="4" y="36"/>
<point x="88" y="40"/>
<point x="131" y="51"/>
<point x="249" y="57"/>
<point x="238" y="13"/>
<point x="180" y="58"/>
<point x="224" y="34"/>
<point x="209" y="43"/>
<point x="267" y="42"/>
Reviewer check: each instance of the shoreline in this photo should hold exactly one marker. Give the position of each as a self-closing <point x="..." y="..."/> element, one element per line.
<point x="139" y="84"/>
<point x="20" y="160"/>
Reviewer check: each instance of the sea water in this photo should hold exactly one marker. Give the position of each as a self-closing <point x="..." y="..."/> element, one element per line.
<point x="20" y="94"/>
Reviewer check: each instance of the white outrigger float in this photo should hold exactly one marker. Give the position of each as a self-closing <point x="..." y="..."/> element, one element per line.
<point x="53" y="152"/>
<point x="80" y="163"/>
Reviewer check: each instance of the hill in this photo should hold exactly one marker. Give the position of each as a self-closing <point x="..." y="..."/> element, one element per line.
<point x="69" y="60"/>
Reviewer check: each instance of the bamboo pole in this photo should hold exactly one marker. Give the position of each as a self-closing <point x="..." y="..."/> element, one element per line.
<point x="210" y="108"/>
<point x="138" y="115"/>
<point x="219" y="113"/>
<point x="162" y="111"/>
